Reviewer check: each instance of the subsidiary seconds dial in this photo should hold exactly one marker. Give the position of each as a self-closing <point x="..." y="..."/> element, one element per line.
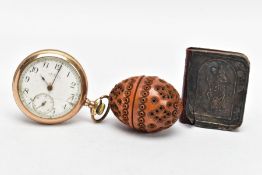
<point x="50" y="87"/>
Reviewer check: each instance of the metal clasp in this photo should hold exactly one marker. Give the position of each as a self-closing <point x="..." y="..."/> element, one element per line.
<point x="98" y="107"/>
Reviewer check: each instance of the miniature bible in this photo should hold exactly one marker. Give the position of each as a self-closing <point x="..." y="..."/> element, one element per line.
<point x="215" y="88"/>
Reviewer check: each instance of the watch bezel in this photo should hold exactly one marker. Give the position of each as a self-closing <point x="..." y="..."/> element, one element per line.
<point x="66" y="57"/>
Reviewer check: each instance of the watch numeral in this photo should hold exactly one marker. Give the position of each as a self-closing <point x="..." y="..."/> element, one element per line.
<point x="27" y="79"/>
<point x="73" y="84"/>
<point x="72" y="104"/>
<point x="34" y="70"/>
<point x="45" y="65"/>
<point x="68" y="74"/>
<point x="53" y="111"/>
<point x="26" y="90"/>
<point x="58" y="66"/>
<point x="65" y="106"/>
<point x="71" y="98"/>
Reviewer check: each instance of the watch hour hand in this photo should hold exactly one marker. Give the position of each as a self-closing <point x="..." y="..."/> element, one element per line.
<point x="43" y="78"/>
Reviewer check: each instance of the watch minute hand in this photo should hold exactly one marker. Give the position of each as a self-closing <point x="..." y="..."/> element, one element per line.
<point x="50" y="86"/>
<point x="57" y="75"/>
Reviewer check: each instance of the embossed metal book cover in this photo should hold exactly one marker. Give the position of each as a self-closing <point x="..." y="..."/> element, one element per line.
<point x="215" y="88"/>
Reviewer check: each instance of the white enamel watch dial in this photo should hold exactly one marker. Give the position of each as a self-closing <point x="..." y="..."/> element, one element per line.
<point x="50" y="86"/>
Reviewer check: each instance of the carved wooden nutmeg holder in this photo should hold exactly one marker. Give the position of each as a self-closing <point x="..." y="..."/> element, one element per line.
<point x="146" y="103"/>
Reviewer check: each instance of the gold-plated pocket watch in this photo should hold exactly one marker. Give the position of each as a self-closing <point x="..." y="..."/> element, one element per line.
<point x="50" y="87"/>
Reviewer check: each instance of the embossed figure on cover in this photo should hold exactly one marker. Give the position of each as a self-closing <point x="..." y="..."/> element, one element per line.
<point x="215" y="87"/>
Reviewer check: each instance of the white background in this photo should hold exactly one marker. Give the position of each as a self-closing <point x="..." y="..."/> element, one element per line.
<point x="114" y="40"/>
